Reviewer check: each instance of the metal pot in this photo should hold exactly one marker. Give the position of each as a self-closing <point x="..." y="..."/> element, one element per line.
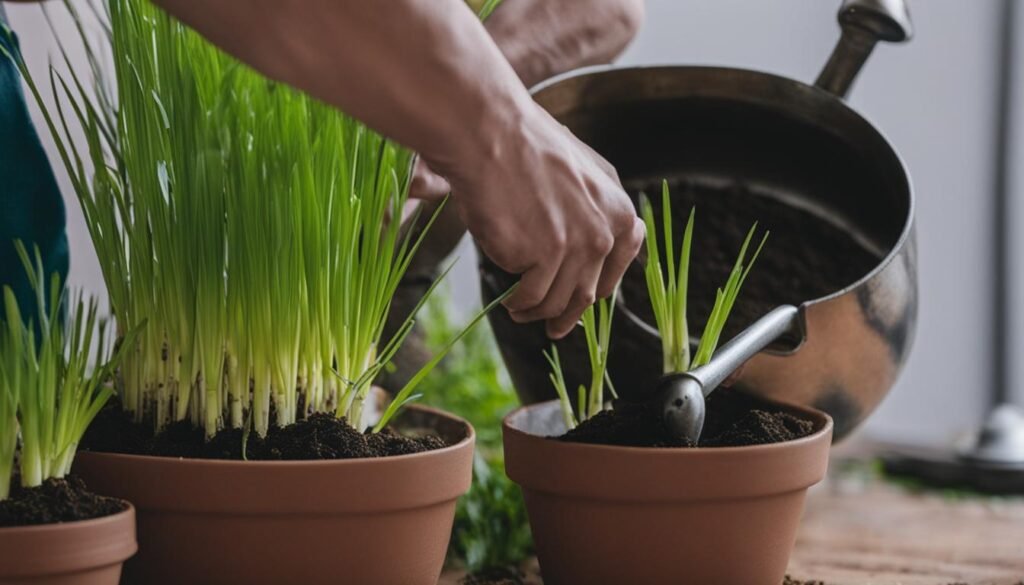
<point x="799" y="144"/>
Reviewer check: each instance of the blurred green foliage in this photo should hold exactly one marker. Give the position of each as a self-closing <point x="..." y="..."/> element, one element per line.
<point x="491" y="527"/>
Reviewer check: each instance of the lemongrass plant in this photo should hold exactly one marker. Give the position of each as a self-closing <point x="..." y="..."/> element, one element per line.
<point x="668" y="288"/>
<point x="254" y="228"/>
<point x="54" y="378"/>
<point x="597" y="330"/>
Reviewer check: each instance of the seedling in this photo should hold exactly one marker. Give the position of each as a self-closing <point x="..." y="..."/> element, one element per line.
<point x="668" y="287"/>
<point x="54" y="378"/>
<point x="597" y="329"/>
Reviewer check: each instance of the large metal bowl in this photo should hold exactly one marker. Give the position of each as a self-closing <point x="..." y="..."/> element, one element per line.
<point x="799" y="144"/>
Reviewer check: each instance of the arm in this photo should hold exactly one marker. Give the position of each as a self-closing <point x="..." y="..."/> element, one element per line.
<point x="427" y="74"/>
<point x="423" y="73"/>
<point x="542" y="39"/>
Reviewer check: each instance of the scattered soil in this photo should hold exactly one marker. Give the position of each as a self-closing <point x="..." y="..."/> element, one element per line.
<point x="732" y="419"/>
<point x="57" y="500"/>
<point x="496" y="576"/>
<point x="512" y="576"/>
<point x="806" y="257"/>
<point x="321" y="436"/>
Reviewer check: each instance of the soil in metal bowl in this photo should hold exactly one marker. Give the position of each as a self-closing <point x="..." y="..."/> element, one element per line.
<point x="57" y="500"/>
<point x="320" y="436"/>
<point x="806" y="257"/>
<point x="733" y="419"/>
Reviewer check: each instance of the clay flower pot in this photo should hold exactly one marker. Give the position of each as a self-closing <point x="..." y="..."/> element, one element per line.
<point x="89" y="552"/>
<point x="380" y="521"/>
<point x="646" y="516"/>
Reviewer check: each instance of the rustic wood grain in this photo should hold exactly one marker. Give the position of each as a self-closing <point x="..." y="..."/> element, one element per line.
<point x="881" y="534"/>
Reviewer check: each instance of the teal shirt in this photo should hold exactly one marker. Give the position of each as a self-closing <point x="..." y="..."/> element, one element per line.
<point x="31" y="208"/>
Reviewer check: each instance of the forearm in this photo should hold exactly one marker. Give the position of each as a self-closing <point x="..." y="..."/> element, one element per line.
<point x="424" y="73"/>
<point x="541" y="38"/>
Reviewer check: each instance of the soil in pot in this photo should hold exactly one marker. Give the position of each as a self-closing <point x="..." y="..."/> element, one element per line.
<point x="320" y="436"/>
<point x="806" y="257"/>
<point x="57" y="500"/>
<point x="733" y="419"/>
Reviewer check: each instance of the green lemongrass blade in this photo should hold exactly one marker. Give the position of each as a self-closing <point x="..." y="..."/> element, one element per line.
<point x="581" y="402"/>
<point x="683" y="290"/>
<point x="558" y="381"/>
<point x="396" y="403"/>
<point x="611" y="387"/>
<point x="11" y="372"/>
<point x="726" y="299"/>
<point x="487" y="8"/>
<point x="666" y="221"/>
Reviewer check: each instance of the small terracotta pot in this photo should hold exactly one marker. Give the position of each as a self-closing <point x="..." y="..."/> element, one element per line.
<point x="89" y="552"/>
<point x="647" y="516"/>
<point x="380" y="521"/>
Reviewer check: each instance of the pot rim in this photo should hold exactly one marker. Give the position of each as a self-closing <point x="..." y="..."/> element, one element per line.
<point x="73" y="524"/>
<point x="817" y="93"/>
<point x="60" y="548"/>
<point x="334" y="487"/>
<point x="664" y="475"/>
<point x="821" y="418"/>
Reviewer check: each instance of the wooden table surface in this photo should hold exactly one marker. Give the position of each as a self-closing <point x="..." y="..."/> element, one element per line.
<point x="859" y="529"/>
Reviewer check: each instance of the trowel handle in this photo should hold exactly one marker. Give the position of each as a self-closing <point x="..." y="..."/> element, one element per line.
<point x="739" y="349"/>
<point x="864" y="23"/>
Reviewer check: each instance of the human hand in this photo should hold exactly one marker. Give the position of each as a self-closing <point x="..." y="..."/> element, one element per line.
<point x="542" y="204"/>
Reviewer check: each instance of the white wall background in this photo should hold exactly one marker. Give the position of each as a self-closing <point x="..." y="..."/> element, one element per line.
<point x="934" y="98"/>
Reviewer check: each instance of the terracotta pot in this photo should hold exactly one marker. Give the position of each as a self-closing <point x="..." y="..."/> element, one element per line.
<point x="381" y="521"/>
<point x="89" y="552"/>
<point x="647" y="516"/>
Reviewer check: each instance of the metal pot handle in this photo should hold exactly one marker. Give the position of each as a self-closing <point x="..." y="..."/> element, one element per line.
<point x="739" y="349"/>
<point x="864" y="23"/>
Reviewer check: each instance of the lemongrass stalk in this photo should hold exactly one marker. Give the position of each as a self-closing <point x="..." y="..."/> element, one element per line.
<point x="597" y="331"/>
<point x="668" y="287"/>
<point x="60" y="373"/>
<point x="558" y="381"/>
<point x="12" y="377"/>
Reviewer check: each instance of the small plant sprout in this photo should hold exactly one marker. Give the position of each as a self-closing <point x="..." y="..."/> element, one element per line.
<point x="253" y="227"/>
<point x="597" y="329"/>
<point x="668" y="287"/>
<point x="54" y="375"/>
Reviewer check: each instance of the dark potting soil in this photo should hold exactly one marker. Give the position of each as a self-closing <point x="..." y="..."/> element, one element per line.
<point x="57" y="500"/>
<point x="732" y="419"/>
<point x="321" y="436"/>
<point x="805" y="257"/>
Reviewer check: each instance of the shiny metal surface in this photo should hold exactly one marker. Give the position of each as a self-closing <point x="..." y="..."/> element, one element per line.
<point x="682" y="395"/>
<point x="780" y="138"/>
